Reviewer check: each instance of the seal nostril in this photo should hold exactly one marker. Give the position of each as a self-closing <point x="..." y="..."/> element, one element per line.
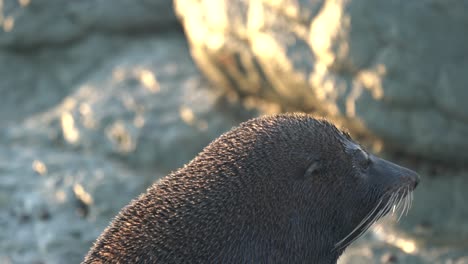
<point x="416" y="183"/>
<point x="415" y="177"/>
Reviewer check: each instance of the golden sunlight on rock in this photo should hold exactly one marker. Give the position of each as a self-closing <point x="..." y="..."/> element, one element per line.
<point x="69" y="103"/>
<point x="219" y="19"/>
<point x="118" y="74"/>
<point x="232" y="97"/>
<point x="325" y="29"/>
<point x="215" y="41"/>
<point x="84" y="91"/>
<point x="265" y="107"/>
<point x="351" y="100"/>
<point x="213" y="16"/>
<point x="121" y="137"/>
<point x="87" y="116"/>
<point x="187" y="115"/>
<point x="85" y="109"/>
<point x="81" y="194"/>
<point x="377" y="145"/>
<point x="86" y="113"/>
<point x="326" y="90"/>
<point x="265" y="45"/>
<point x="148" y="80"/>
<point x="197" y="34"/>
<point x="24" y="3"/>
<point x="407" y="245"/>
<point x="255" y="16"/>
<point x="139" y="121"/>
<point x="39" y="167"/>
<point x="70" y="132"/>
<point x="372" y="80"/>
<point x="60" y="196"/>
<point x="8" y="24"/>
<point x="291" y="10"/>
<point x="250" y="102"/>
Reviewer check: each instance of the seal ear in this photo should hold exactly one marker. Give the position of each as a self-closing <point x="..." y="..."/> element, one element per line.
<point x="312" y="169"/>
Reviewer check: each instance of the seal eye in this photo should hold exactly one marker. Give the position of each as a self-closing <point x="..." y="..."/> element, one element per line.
<point x="312" y="169"/>
<point x="362" y="158"/>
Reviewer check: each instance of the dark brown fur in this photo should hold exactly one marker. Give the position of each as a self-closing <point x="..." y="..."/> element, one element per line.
<point x="279" y="189"/>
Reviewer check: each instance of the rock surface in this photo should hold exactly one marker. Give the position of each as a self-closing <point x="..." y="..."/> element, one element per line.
<point x="54" y="203"/>
<point x="395" y="68"/>
<point x="57" y="23"/>
<point x="145" y="109"/>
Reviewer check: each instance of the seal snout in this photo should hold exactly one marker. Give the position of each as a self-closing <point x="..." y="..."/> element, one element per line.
<point x="413" y="175"/>
<point x="387" y="171"/>
<point x="409" y="176"/>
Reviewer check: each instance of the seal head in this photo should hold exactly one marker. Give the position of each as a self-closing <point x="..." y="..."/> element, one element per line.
<point x="280" y="189"/>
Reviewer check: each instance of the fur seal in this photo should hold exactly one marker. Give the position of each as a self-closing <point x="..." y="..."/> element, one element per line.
<point x="279" y="189"/>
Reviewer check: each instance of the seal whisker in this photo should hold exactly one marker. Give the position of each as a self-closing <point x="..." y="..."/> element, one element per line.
<point x="405" y="203"/>
<point x="394" y="202"/>
<point x="368" y="221"/>
<point x="363" y="221"/>
<point x="390" y="204"/>
<point x="402" y="210"/>
<point x="410" y="200"/>
<point x="363" y="230"/>
<point x="380" y="213"/>
<point x="401" y="203"/>
<point x="407" y="197"/>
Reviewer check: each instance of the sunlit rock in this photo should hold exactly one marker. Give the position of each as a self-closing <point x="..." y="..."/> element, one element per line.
<point x="390" y="69"/>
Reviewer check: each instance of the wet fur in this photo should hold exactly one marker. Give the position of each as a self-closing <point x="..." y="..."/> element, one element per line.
<point x="250" y="197"/>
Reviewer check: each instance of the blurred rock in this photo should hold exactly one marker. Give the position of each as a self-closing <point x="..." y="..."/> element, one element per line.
<point x="32" y="82"/>
<point x="32" y="24"/>
<point x="393" y="68"/>
<point x="147" y="105"/>
<point x="39" y="217"/>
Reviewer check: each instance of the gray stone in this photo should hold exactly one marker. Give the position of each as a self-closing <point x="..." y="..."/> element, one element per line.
<point x="146" y="110"/>
<point x="32" y="82"/>
<point x="392" y="69"/>
<point x="55" y="203"/>
<point x="30" y="24"/>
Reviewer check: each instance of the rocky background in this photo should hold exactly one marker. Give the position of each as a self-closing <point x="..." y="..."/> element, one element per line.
<point x="100" y="100"/>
